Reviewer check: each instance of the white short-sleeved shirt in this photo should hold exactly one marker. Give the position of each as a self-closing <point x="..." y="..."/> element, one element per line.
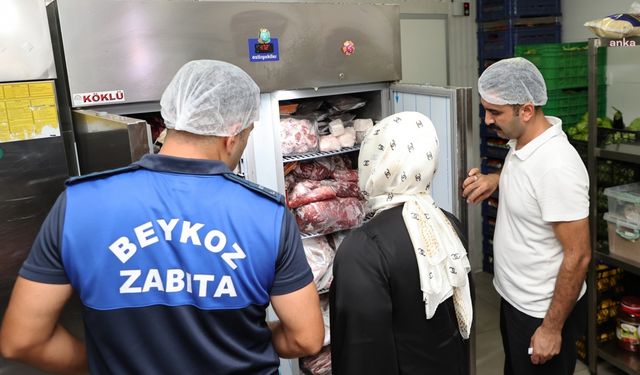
<point x="543" y="182"/>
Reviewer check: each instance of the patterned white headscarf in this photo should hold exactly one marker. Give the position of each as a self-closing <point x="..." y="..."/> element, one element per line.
<point x="397" y="163"/>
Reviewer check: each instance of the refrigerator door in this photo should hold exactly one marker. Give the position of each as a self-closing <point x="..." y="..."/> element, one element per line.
<point x="107" y="141"/>
<point x="449" y="108"/>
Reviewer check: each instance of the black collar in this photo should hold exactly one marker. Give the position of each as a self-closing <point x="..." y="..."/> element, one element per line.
<point x="164" y="163"/>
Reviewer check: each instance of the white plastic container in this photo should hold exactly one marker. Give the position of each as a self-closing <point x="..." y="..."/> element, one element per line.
<point x="624" y="237"/>
<point x="624" y="202"/>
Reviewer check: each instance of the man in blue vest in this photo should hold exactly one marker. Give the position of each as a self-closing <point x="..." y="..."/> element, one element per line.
<point x="174" y="258"/>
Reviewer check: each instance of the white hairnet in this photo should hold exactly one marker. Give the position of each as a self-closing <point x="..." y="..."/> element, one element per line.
<point x="209" y="97"/>
<point x="513" y="81"/>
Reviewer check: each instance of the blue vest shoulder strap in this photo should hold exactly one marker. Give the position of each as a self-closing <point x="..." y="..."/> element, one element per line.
<point x="97" y="175"/>
<point x="273" y="195"/>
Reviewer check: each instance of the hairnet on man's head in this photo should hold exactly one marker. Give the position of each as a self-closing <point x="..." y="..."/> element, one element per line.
<point x="513" y="81"/>
<point x="209" y="97"/>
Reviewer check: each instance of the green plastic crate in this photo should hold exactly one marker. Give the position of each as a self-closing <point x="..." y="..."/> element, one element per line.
<point x="563" y="65"/>
<point x="571" y="105"/>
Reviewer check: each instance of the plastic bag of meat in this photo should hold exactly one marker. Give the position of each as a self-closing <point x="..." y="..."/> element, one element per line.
<point x="323" y="128"/>
<point x="345" y="175"/>
<point x="309" y="106"/>
<point x="319" y="256"/>
<point x="330" y="216"/>
<point x="319" y="364"/>
<point x="298" y="136"/>
<point x="289" y="183"/>
<point x="343" y="189"/>
<point x="307" y="191"/>
<point x="339" y="162"/>
<point x="314" y="170"/>
<point x="325" y="281"/>
<point x="346" y="103"/>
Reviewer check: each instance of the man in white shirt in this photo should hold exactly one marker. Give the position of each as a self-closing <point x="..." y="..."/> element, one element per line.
<point x="541" y="243"/>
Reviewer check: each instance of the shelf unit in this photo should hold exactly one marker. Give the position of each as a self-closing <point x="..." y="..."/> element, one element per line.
<point x="628" y="153"/>
<point x="319" y="154"/>
<point x="322" y="292"/>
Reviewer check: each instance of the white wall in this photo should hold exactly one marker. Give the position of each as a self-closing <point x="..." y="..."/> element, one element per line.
<point x="623" y="64"/>
<point x="576" y="12"/>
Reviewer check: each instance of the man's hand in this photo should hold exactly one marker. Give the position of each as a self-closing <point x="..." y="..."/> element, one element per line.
<point x="574" y="237"/>
<point x="546" y="344"/>
<point x="300" y="331"/>
<point x="478" y="187"/>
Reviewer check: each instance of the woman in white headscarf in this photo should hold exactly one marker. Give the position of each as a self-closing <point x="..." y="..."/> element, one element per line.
<point x="400" y="298"/>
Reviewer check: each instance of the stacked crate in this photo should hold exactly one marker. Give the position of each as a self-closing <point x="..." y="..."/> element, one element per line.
<point x="503" y="25"/>
<point x="564" y="67"/>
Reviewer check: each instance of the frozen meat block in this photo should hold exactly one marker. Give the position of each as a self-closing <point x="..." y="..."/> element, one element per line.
<point x="298" y="136"/>
<point x="329" y="143"/>
<point x="336" y="127"/>
<point x="348" y="139"/>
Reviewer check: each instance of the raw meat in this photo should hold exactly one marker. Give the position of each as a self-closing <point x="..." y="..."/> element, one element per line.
<point x="298" y="136"/>
<point x="339" y="162"/>
<point x="343" y="189"/>
<point x="319" y="256"/>
<point x="345" y="175"/>
<point x="307" y="191"/>
<point x="319" y="364"/>
<point x="330" y="216"/>
<point x="314" y="170"/>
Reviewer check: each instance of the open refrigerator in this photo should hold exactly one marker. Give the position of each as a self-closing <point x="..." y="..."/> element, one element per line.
<point x="115" y="58"/>
<point x="270" y="160"/>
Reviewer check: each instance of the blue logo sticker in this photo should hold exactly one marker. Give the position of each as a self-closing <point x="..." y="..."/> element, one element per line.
<point x="261" y="52"/>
